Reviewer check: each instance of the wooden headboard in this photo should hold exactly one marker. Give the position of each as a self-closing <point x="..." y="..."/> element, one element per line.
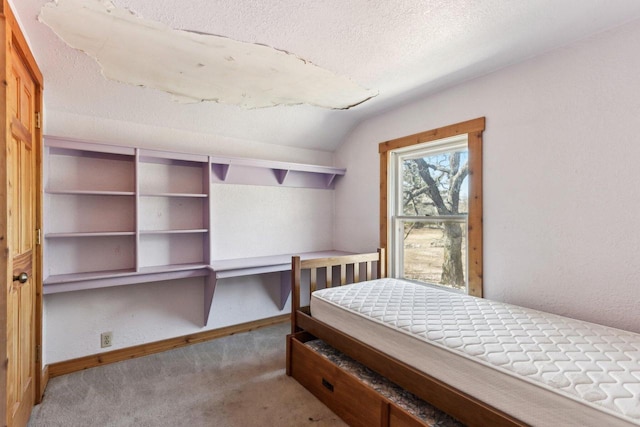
<point x="336" y="271"/>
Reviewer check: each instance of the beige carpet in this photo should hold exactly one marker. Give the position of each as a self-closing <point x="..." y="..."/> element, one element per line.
<point x="236" y="381"/>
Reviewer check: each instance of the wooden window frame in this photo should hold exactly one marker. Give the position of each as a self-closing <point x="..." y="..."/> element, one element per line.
<point x="473" y="129"/>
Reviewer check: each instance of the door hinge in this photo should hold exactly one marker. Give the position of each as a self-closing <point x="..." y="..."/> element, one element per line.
<point x="38" y="120"/>
<point x="38" y="353"/>
<point x="38" y="237"/>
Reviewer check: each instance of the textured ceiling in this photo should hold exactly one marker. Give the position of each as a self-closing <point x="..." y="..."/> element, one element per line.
<point x="195" y="67"/>
<point x="403" y="49"/>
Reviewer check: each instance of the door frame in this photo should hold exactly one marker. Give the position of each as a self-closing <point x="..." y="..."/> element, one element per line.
<point x="11" y="36"/>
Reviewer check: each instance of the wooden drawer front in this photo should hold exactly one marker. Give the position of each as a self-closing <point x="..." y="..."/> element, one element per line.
<point x="342" y="393"/>
<point x="400" y="418"/>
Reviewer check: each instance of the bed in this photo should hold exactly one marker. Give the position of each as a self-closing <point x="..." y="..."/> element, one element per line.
<point x="485" y="363"/>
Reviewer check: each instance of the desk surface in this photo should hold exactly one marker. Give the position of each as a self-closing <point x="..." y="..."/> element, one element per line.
<point x="273" y="262"/>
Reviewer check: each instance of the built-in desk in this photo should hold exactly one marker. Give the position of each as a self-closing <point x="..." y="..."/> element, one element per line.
<point x="258" y="265"/>
<point x="216" y="270"/>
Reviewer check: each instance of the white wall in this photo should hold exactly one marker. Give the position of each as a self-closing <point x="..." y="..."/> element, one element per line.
<point x="561" y="177"/>
<point x="60" y="123"/>
<point x="282" y="220"/>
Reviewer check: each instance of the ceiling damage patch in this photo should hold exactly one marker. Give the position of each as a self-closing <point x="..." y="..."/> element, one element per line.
<point x="192" y="66"/>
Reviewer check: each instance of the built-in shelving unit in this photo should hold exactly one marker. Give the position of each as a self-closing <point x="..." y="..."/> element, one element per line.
<point x="121" y="215"/>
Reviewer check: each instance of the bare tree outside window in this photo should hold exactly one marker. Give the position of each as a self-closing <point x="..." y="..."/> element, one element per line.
<point x="435" y="196"/>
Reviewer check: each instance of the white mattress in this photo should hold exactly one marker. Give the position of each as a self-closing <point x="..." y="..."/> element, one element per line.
<point x="543" y="369"/>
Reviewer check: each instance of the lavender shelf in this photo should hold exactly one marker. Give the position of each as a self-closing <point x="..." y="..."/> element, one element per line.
<point x="186" y="231"/>
<point x="80" y="277"/>
<point x="103" y="279"/>
<point x="89" y="234"/>
<point x="237" y="170"/>
<point x="91" y="193"/>
<point x="185" y="195"/>
<point x="160" y="203"/>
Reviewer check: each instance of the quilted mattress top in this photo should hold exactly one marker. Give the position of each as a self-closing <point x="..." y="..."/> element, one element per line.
<point x="591" y="363"/>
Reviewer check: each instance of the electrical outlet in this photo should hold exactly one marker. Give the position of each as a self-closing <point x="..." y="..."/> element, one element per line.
<point x="106" y="339"/>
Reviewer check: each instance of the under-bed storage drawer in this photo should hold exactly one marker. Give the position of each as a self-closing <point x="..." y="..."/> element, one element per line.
<point x="353" y="401"/>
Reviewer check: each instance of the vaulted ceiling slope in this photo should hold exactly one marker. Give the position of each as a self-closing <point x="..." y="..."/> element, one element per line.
<point x="401" y="50"/>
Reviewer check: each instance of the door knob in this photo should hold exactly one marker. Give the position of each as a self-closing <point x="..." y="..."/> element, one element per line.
<point x="22" y="277"/>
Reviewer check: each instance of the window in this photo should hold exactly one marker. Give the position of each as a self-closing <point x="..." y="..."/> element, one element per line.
<point x="431" y="206"/>
<point x="429" y="212"/>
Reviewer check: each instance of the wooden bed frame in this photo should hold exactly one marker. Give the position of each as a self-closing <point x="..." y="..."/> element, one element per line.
<point x="470" y="410"/>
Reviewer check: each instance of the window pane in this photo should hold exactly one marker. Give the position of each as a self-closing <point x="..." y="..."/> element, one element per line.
<point x="436" y="253"/>
<point x="435" y="184"/>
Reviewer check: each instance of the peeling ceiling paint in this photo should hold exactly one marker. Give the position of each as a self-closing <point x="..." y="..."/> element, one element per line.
<point x="193" y="66"/>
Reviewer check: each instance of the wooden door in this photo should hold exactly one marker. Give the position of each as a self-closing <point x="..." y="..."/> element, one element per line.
<point x="20" y="163"/>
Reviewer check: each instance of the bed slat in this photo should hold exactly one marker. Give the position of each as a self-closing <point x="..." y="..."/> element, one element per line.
<point x="313" y="279"/>
<point x="343" y="274"/>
